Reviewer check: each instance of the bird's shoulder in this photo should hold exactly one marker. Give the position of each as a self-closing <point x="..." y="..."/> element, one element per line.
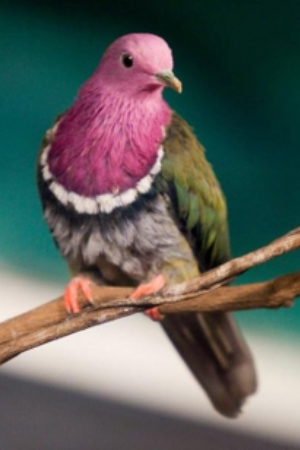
<point x="50" y="133"/>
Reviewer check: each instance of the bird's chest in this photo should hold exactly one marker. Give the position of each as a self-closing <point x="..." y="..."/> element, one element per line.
<point x="131" y="243"/>
<point x="106" y="153"/>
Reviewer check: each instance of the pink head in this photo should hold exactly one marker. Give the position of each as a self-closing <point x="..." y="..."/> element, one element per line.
<point x="137" y="63"/>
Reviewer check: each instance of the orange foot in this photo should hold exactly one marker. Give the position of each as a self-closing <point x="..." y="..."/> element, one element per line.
<point x="72" y="292"/>
<point x="154" y="314"/>
<point x="155" y="285"/>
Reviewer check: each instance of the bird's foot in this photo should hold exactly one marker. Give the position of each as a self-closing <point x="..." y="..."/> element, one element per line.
<point x="155" y="285"/>
<point x="71" y="293"/>
<point x="154" y="314"/>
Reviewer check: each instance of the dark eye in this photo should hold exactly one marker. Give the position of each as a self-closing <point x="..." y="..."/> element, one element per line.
<point x="127" y="60"/>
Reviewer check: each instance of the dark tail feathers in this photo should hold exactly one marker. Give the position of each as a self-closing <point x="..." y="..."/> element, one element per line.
<point x="214" y="349"/>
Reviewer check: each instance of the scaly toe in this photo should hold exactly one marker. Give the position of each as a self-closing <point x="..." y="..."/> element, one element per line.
<point x="154" y="314"/>
<point x="155" y="285"/>
<point x="71" y="293"/>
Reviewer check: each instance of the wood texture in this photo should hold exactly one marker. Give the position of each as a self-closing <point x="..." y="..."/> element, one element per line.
<point x="204" y="293"/>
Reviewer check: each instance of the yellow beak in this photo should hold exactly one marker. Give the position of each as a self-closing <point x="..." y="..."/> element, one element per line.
<point x="168" y="78"/>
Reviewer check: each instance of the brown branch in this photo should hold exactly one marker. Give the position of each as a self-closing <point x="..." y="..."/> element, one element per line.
<point x="279" y="292"/>
<point x="202" y="294"/>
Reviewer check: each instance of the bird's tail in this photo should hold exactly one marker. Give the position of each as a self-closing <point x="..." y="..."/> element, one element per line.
<point x="218" y="356"/>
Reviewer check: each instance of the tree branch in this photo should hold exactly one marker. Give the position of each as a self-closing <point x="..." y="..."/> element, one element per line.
<point x="202" y="294"/>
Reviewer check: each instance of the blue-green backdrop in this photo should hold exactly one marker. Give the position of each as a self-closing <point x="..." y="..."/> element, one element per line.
<point x="240" y="66"/>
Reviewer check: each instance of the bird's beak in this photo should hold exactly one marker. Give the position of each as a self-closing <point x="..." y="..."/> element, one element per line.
<point x="168" y="78"/>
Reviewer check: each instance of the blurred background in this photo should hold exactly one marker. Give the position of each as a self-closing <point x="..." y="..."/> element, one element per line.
<point x="122" y="385"/>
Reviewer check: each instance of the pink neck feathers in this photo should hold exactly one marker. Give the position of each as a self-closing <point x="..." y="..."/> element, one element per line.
<point x="108" y="141"/>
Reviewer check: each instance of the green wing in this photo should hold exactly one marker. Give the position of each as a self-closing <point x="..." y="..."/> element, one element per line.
<point x="209" y="343"/>
<point x="197" y="201"/>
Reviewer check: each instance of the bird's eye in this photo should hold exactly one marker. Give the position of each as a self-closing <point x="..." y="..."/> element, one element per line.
<point x="127" y="60"/>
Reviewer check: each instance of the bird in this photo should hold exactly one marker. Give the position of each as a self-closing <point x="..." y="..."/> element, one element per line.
<point x="131" y="200"/>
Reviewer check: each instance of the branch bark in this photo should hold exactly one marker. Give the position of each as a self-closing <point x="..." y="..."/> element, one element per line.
<point x="202" y="294"/>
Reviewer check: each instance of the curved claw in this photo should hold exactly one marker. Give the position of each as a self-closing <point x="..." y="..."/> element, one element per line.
<point x="72" y="292"/>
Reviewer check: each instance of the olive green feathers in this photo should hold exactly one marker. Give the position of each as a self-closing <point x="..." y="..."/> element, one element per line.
<point x="198" y="201"/>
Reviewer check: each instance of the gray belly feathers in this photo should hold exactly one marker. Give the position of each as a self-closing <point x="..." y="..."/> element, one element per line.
<point x="136" y="242"/>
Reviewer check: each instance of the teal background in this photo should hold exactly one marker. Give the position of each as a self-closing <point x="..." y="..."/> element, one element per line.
<point x="239" y="62"/>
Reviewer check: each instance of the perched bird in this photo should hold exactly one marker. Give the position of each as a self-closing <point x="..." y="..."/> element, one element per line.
<point x="130" y="199"/>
